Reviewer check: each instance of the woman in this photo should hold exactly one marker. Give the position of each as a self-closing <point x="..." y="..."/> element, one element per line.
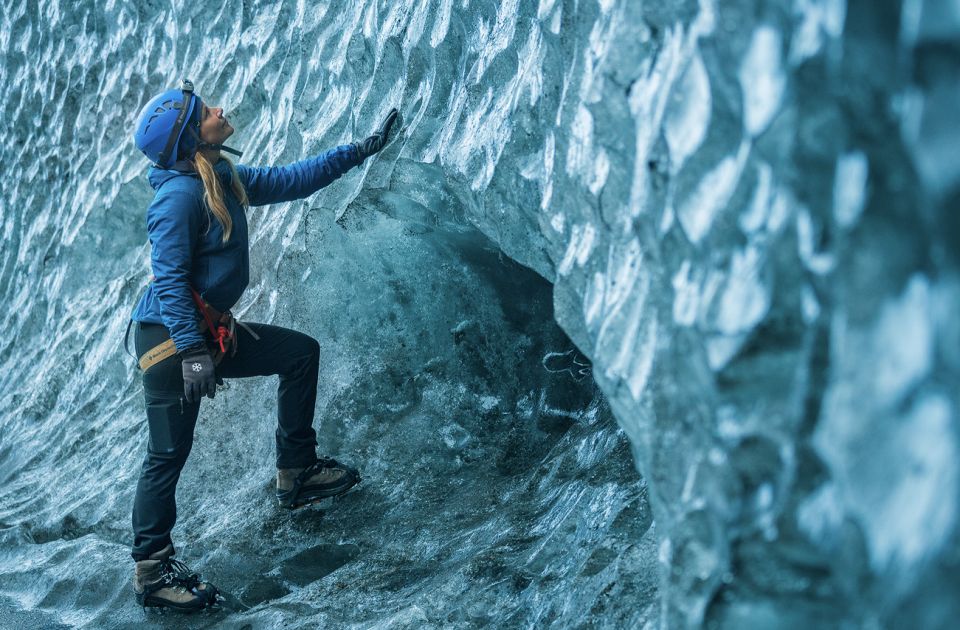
<point x="185" y="337"/>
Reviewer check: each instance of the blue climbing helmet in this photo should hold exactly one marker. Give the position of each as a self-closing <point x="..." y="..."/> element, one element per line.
<point x="169" y="124"/>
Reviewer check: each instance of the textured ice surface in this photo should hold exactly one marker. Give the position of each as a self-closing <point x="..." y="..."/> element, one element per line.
<point x="748" y="212"/>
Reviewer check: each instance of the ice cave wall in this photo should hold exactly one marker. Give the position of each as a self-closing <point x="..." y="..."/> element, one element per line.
<point x="748" y="211"/>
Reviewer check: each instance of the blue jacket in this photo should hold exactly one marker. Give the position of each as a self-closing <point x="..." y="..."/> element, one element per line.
<point x="186" y="240"/>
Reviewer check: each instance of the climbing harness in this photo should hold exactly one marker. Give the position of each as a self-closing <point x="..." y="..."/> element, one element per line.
<point x="221" y="326"/>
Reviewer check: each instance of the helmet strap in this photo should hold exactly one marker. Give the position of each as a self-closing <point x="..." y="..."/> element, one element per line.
<point x="213" y="147"/>
<point x="187" y="88"/>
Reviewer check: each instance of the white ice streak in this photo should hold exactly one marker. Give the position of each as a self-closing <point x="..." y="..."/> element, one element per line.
<point x="904" y="494"/>
<point x="544" y="8"/>
<point x="688" y="117"/>
<point x="743" y="302"/>
<point x="628" y="332"/>
<point x="726" y="305"/>
<point x="491" y="42"/>
<point x="762" y="80"/>
<point x="821" y="515"/>
<point x="904" y="338"/>
<point x="594" y="56"/>
<point x="769" y="208"/>
<point x="594" y="448"/>
<point x="648" y="100"/>
<point x="345" y="23"/>
<point x="818" y="21"/>
<point x="589" y="165"/>
<point x="539" y="168"/>
<point x="579" y="247"/>
<point x="413" y="31"/>
<point x="686" y="296"/>
<point x="746" y="297"/>
<point x="849" y="188"/>
<point x="911" y="14"/>
<point x="442" y="23"/>
<point x="817" y="261"/>
<point x="549" y="154"/>
<point x="555" y="22"/>
<point x="650" y="95"/>
<point x="593" y="299"/>
<point x="916" y="508"/>
<point x="809" y="304"/>
<point x="332" y="108"/>
<point x="754" y="217"/>
<point x="557" y="222"/>
<point x="486" y="128"/>
<point x="698" y="211"/>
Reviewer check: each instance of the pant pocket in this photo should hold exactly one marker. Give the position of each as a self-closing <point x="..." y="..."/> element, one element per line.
<point x="171" y="421"/>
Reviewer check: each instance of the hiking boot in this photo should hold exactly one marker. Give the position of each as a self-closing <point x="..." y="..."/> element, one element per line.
<point x="324" y="478"/>
<point x="164" y="582"/>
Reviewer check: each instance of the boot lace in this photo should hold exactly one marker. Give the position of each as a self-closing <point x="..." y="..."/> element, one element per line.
<point x="175" y="573"/>
<point x="314" y="468"/>
<point x="326" y="462"/>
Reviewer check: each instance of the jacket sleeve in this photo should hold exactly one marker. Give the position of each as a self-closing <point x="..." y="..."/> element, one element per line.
<point x="298" y="180"/>
<point x="173" y="224"/>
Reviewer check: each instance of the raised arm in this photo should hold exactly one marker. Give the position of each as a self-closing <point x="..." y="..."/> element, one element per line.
<point x="275" y="184"/>
<point x="173" y="224"/>
<point x="301" y="179"/>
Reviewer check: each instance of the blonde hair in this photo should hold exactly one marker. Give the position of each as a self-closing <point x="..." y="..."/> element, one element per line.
<point x="213" y="191"/>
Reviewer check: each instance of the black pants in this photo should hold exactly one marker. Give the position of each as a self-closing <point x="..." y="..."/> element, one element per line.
<point x="171" y="419"/>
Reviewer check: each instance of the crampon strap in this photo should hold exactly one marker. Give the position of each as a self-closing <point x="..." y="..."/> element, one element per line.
<point x="174" y="573"/>
<point x="309" y="471"/>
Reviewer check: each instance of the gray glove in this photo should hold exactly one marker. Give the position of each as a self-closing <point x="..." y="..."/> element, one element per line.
<point x="199" y="376"/>
<point x="372" y="144"/>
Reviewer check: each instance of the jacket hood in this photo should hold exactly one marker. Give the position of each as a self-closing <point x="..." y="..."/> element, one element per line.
<point x="159" y="176"/>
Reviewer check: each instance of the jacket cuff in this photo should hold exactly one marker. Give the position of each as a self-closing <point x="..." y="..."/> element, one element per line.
<point x="195" y="349"/>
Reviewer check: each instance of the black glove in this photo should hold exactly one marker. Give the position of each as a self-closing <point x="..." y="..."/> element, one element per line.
<point x="199" y="377"/>
<point x="372" y="144"/>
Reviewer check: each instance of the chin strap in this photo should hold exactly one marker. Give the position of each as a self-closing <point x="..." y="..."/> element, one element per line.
<point x="214" y="147"/>
<point x="219" y="147"/>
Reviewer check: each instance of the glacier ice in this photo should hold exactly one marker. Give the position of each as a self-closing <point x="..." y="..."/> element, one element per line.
<point x="712" y="243"/>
